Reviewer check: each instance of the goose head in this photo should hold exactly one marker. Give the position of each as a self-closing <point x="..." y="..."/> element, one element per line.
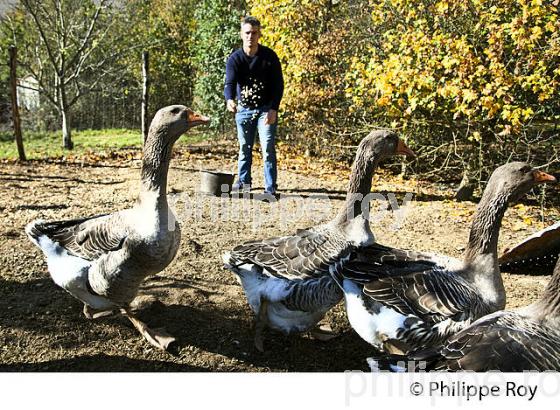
<point x="380" y="144"/>
<point x="517" y="178"/>
<point x="173" y="121"/>
<point x="168" y="125"/>
<point x="372" y="149"/>
<point x="377" y="145"/>
<point x="508" y="183"/>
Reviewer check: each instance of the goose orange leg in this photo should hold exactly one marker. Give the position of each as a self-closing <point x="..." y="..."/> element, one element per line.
<point x="260" y="324"/>
<point x="156" y="337"/>
<point x="323" y="332"/>
<point x="91" y="313"/>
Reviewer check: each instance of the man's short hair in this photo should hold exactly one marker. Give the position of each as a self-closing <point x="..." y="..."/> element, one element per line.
<point x="253" y="21"/>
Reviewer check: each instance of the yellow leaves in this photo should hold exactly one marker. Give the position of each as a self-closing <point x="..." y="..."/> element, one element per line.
<point x="536" y="33"/>
<point x="490" y="106"/>
<point x="485" y="60"/>
<point x="449" y="91"/>
<point x="442" y="7"/>
<point x="475" y="136"/>
<point x="516" y="115"/>
<point x="461" y="213"/>
<point x="449" y="61"/>
<point x="468" y="95"/>
<point x="383" y="101"/>
<point x="524" y="216"/>
<point x="487" y="89"/>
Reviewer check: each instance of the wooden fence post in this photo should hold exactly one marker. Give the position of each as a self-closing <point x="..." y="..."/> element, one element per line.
<point x="15" y="110"/>
<point x="145" y="93"/>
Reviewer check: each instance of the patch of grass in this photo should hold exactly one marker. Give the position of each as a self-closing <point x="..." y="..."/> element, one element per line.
<point x="42" y="145"/>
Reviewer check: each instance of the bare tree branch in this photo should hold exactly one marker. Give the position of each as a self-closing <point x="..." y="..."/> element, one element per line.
<point x="89" y="32"/>
<point x="30" y="9"/>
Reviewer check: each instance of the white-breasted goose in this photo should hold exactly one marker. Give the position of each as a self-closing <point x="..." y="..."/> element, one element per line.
<point x="286" y="279"/>
<point x="101" y="260"/>
<point x="398" y="300"/>
<point x="508" y="341"/>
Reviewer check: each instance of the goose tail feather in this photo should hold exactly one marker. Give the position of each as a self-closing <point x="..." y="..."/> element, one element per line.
<point x="34" y="230"/>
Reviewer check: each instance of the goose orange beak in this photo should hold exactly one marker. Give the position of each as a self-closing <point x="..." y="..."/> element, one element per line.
<point x="404" y="150"/>
<point x="195" y="119"/>
<point x="542" y="177"/>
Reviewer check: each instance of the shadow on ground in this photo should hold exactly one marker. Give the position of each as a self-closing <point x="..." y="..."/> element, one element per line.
<point x="99" y="363"/>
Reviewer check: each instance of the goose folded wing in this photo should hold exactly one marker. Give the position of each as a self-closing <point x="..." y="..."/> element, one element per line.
<point x="87" y="238"/>
<point x="504" y="341"/>
<point x="377" y="253"/>
<point x="377" y="261"/>
<point x="433" y="297"/>
<point x="307" y="254"/>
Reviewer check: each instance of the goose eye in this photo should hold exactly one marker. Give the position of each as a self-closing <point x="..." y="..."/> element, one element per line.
<point x="175" y="110"/>
<point x="526" y="168"/>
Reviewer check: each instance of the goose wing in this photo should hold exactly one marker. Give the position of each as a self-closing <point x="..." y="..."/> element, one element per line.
<point x="378" y="261"/>
<point x="430" y="295"/>
<point x="377" y="253"/>
<point x="308" y="253"/>
<point x="87" y="238"/>
<point x="504" y="341"/>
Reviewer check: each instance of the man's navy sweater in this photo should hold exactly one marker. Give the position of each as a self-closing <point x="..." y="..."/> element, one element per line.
<point x="256" y="81"/>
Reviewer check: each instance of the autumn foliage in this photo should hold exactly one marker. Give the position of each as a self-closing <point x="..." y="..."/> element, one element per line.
<point x="470" y="84"/>
<point x="460" y="78"/>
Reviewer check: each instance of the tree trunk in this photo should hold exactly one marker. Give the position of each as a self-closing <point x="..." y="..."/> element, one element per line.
<point x="145" y="93"/>
<point x="466" y="187"/>
<point x="15" y="110"/>
<point x="66" y="120"/>
<point x="66" y="129"/>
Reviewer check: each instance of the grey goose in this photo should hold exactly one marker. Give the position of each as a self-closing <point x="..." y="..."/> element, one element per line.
<point x="400" y="300"/>
<point x="517" y="340"/>
<point x="101" y="260"/>
<point x="286" y="279"/>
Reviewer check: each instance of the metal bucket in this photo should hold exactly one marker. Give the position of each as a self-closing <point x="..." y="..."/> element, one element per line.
<point x="216" y="182"/>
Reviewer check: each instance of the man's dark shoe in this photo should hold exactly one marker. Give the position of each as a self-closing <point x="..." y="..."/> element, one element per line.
<point x="241" y="187"/>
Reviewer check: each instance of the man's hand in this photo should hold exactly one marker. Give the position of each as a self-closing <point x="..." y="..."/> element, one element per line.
<point x="231" y="106"/>
<point x="271" y="117"/>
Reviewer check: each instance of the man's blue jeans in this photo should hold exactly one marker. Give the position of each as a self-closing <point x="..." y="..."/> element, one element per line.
<point x="248" y="122"/>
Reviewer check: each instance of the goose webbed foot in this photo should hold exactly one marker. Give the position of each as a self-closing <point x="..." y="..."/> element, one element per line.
<point x="323" y="332"/>
<point x="91" y="313"/>
<point x="260" y="325"/>
<point x="156" y="337"/>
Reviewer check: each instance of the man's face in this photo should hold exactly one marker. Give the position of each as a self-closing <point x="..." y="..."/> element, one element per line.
<point x="250" y="35"/>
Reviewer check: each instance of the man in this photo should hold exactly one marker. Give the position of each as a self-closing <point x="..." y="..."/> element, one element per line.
<point x="254" y="78"/>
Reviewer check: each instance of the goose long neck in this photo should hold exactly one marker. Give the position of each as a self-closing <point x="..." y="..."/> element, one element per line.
<point x="485" y="230"/>
<point x="549" y="303"/>
<point x="155" y="164"/>
<point x="359" y="188"/>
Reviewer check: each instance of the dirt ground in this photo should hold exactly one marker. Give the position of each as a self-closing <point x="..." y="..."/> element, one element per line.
<point x="42" y="327"/>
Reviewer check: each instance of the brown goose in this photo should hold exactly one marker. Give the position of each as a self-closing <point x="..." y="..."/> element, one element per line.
<point x="508" y="341"/>
<point x="400" y="301"/>
<point x="286" y="279"/>
<point x="102" y="260"/>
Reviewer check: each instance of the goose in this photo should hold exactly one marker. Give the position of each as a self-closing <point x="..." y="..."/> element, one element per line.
<point x="101" y="260"/>
<point x="399" y="300"/>
<point x="509" y="341"/>
<point x="286" y="279"/>
<point x="536" y="254"/>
